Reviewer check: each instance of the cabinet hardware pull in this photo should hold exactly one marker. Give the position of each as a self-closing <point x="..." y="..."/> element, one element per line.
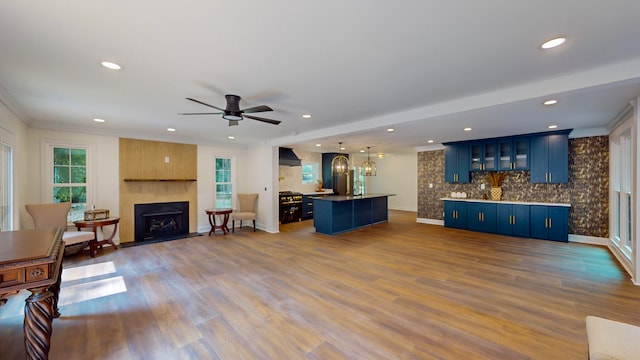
<point x="510" y="219"/>
<point x="550" y="178"/>
<point x="479" y="217"/>
<point x="550" y="225"/>
<point x="514" y="219"/>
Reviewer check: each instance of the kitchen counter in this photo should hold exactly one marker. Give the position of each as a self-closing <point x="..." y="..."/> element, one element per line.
<point x="327" y="192"/>
<point x="508" y="202"/>
<point x="336" y="214"/>
<point x="351" y="197"/>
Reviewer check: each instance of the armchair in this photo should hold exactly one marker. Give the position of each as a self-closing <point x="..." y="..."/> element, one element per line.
<point x="246" y="210"/>
<point x="55" y="215"/>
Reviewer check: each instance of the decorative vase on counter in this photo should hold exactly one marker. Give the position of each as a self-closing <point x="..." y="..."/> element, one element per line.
<point x="496" y="193"/>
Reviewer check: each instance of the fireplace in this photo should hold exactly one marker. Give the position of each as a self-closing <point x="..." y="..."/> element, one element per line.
<point x="161" y="221"/>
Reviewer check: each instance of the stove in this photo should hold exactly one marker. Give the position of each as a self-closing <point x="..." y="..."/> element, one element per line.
<point x="290" y="206"/>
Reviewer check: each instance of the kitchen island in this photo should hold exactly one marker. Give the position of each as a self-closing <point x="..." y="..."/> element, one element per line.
<point x="337" y="214"/>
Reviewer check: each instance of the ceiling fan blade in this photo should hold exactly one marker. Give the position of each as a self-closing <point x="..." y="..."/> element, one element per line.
<point x="274" y="122"/>
<point x="256" y="109"/>
<point x="233" y="122"/>
<point x="217" y="113"/>
<point x="205" y="104"/>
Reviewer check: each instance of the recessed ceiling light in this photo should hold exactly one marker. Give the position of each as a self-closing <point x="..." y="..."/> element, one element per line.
<point x="171" y="129"/>
<point x="111" y="65"/>
<point x="553" y="43"/>
<point x="363" y="150"/>
<point x="231" y="137"/>
<point x="467" y="129"/>
<point x="391" y="130"/>
<point x="342" y="148"/>
<point x="550" y="102"/>
<point x="552" y="126"/>
<point x="98" y="120"/>
<point x="306" y="116"/>
<point x="318" y="145"/>
<point x="430" y="141"/>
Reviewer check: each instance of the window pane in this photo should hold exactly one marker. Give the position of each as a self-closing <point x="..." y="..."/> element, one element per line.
<point x="61" y="194"/>
<point x="78" y="175"/>
<point x="78" y="157"/>
<point x="79" y="194"/>
<point x="60" y="156"/>
<point x="61" y="174"/>
<point x="77" y="212"/>
<point x="307" y="178"/>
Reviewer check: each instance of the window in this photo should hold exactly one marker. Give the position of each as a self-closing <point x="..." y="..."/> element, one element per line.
<point x="309" y="173"/>
<point x="6" y="187"/>
<point x="621" y="152"/>
<point x="69" y="180"/>
<point x="224" y="185"/>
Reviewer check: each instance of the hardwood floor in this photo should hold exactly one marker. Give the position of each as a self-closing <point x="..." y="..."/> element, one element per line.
<point x="399" y="290"/>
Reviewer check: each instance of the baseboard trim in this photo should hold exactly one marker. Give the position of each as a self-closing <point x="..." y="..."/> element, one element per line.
<point x="583" y="239"/>
<point x="402" y="208"/>
<point x="430" y="221"/>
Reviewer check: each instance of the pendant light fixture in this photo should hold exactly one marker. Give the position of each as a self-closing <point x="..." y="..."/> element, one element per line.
<point x="368" y="166"/>
<point x="339" y="163"/>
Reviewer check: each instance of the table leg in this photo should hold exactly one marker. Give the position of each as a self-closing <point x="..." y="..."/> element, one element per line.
<point x="109" y="240"/>
<point x="225" y="220"/>
<point x="38" y="316"/>
<point x="212" y="222"/>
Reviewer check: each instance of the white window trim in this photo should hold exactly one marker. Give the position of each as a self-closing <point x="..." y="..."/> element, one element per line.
<point x="234" y="183"/>
<point x="46" y="156"/>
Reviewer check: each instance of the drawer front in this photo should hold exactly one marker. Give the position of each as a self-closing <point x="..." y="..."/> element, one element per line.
<point x="11" y="277"/>
<point x="37" y="273"/>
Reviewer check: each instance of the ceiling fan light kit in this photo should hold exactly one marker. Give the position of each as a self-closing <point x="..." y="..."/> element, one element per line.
<point x="232" y="111"/>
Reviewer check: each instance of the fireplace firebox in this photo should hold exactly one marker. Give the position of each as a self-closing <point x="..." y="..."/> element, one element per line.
<point x="161" y="221"/>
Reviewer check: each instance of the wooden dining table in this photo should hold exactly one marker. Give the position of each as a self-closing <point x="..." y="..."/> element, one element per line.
<point x="32" y="260"/>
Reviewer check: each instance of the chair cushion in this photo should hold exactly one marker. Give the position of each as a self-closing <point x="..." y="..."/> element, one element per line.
<point x="610" y="339"/>
<point x="76" y="237"/>
<point x="243" y="215"/>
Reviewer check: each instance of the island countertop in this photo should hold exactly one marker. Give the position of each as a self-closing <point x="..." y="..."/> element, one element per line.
<point x="350" y="197"/>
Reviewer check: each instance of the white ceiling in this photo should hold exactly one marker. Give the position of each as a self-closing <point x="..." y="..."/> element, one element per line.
<point x="425" y="68"/>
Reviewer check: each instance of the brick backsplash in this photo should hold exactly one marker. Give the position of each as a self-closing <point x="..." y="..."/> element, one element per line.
<point x="587" y="190"/>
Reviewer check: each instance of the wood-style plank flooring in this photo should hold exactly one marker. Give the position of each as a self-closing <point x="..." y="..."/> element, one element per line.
<point x="399" y="290"/>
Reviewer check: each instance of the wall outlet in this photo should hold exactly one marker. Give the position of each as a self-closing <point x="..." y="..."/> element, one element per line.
<point x="482" y="186"/>
<point x="430" y="186"/>
<point x="166" y="159"/>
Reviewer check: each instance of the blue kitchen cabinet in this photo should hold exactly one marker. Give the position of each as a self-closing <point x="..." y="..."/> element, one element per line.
<point x="484" y="155"/>
<point x="307" y="207"/>
<point x="455" y="214"/>
<point x="327" y="176"/>
<point x="549" y="222"/>
<point x="550" y="158"/>
<point x="456" y="163"/>
<point x="482" y="217"/>
<point x="513" y="220"/>
<point x="513" y="154"/>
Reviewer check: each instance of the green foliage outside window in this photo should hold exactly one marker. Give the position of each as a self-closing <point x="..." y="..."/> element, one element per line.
<point x="70" y="179"/>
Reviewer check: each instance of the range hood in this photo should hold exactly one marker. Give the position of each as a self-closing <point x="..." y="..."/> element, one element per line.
<point x="289" y="158"/>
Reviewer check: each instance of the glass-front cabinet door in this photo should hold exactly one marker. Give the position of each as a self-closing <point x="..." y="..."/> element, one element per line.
<point x="489" y="156"/>
<point x="483" y="156"/>
<point x="514" y="154"/>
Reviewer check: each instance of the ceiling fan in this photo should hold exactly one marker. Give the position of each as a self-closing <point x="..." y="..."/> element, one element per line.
<point x="233" y="113"/>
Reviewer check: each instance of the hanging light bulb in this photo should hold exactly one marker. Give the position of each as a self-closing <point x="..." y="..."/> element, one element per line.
<point x="339" y="164"/>
<point x="368" y="166"/>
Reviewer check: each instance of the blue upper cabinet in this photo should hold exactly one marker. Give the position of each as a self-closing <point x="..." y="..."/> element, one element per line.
<point x="550" y="158"/>
<point x="484" y="155"/>
<point x="513" y="154"/>
<point x="456" y="163"/>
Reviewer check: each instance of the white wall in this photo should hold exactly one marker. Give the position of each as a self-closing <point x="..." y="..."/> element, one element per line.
<point x="206" y="178"/>
<point x="105" y="168"/>
<point x="13" y="132"/>
<point x="397" y="174"/>
<point x="262" y="163"/>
